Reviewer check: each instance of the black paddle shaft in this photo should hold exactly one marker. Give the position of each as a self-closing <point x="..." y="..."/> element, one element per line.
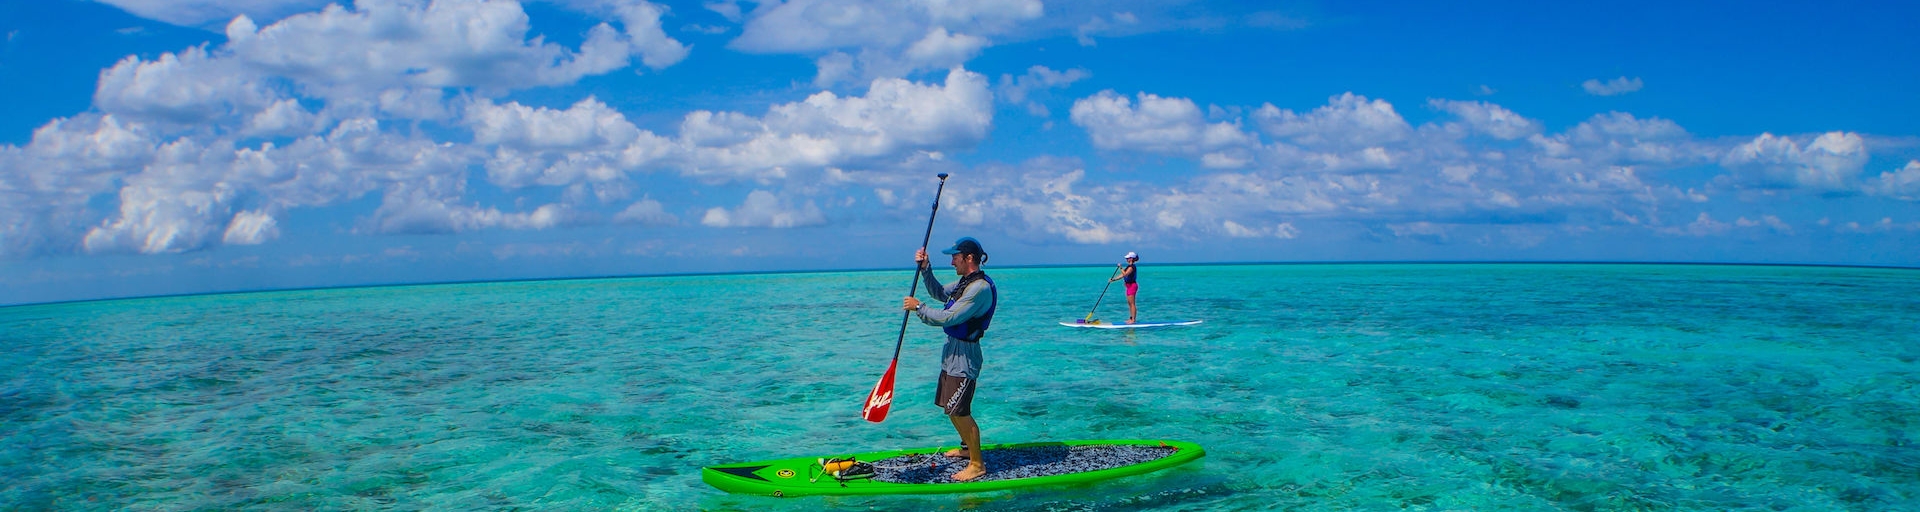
<point x="1103" y="293"/>
<point x="916" y="268"/>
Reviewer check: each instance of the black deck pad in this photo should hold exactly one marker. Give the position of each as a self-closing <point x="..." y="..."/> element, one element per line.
<point x="1013" y="463"/>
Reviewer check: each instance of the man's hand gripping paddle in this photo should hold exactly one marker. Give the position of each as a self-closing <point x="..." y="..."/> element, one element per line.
<point x="1103" y="295"/>
<point x="882" y="396"/>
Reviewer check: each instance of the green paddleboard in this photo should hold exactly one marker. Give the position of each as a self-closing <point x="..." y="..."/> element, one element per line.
<point x="924" y="470"/>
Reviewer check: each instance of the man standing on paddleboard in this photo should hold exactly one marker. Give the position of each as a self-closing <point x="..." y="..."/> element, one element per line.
<point x="1132" y="276"/>
<point x="970" y="304"/>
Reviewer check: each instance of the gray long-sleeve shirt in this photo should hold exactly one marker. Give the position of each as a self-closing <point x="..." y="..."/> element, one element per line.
<point x="958" y="358"/>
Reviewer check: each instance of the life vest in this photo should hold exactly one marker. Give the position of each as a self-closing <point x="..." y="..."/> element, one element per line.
<point x="1131" y="276"/>
<point x="976" y="327"/>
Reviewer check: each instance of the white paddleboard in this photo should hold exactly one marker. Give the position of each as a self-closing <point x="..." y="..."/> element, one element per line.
<point x="1103" y="324"/>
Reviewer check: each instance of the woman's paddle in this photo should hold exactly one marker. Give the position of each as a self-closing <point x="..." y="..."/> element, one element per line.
<point x="1103" y="295"/>
<point x="882" y="396"/>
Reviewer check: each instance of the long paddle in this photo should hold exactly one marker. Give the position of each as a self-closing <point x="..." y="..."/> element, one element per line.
<point x="1103" y="295"/>
<point x="881" y="398"/>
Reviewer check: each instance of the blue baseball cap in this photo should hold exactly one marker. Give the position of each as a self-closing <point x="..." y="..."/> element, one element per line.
<point x="965" y="245"/>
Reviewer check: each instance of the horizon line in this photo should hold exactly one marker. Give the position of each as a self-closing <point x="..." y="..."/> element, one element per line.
<point x="877" y="269"/>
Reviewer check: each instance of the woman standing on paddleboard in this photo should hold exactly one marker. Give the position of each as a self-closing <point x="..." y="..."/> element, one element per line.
<point x="970" y="304"/>
<point x="1131" y="275"/>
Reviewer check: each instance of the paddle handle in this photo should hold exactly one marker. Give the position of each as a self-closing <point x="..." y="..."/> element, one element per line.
<point x="915" y="287"/>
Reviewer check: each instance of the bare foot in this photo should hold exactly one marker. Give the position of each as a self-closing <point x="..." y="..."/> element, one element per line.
<point x="1129" y="320"/>
<point x="958" y="453"/>
<point x="971" y="472"/>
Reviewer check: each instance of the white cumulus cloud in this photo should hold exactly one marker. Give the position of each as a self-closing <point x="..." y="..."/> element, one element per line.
<point x="1041" y="202"/>
<point x="1490" y="119"/>
<point x="763" y="210"/>
<point x="1154" y="124"/>
<point x="199" y="13"/>
<point x="865" y="39"/>
<point x="1902" y="183"/>
<point x="588" y="124"/>
<point x="943" y="49"/>
<point x="1770" y="222"/>
<point x="587" y="143"/>
<point x="187" y="87"/>
<point x="1348" y="121"/>
<point x="156" y="221"/>
<point x="1832" y="161"/>
<point x="1702" y="225"/>
<point x="1015" y="90"/>
<point x="284" y="118"/>
<point x="1119" y="23"/>
<point x="250" y="228"/>
<point x="1356" y="158"/>
<point x="1614" y="87"/>
<point x="1885" y="225"/>
<point x="894" y="120"/>
<point x="1421" y="230"/>
<point x="1617" y="138"/>
<point x="1284" y="230"/>
<point x="648" y="212"/>
<point x="376" y="45"/>
<point x="190" y="195"/>
<point x="212" y="144"/>
<point x="419" y="211"/>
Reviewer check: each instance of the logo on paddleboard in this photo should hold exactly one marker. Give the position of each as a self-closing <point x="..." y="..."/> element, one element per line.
<point x="785" y="473"/>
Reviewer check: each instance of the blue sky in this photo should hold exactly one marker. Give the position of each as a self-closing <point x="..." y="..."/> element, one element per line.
<point x="159" y="147"/>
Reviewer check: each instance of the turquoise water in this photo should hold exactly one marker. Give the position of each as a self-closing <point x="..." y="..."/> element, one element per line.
<point x="1313" y="387"/>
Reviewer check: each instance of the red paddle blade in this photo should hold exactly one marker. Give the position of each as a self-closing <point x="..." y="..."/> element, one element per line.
<point x="881" y="398"/>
